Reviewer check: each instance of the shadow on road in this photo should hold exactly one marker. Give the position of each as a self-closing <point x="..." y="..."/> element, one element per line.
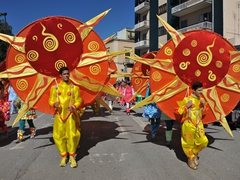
<point x="176" y="139"/>
<point x="93" y="132"/>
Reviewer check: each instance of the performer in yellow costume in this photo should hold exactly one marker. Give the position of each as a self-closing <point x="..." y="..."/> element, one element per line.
<point x="193" y="138"/>
<point x="65" y="98"/>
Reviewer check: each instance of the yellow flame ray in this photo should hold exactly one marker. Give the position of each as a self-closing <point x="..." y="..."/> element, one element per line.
<point x="217" y="106"/>
<point x="89" y="25"/>
<point x="13" y="41"/>
<point x="28" y="104"/>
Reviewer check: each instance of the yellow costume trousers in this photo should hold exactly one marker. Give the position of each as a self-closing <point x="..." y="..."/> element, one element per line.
<point x="66" y="134"/>
<point x="193" y="138"/>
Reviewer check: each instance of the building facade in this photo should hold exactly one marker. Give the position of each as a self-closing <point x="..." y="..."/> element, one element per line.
<point x="220" y="16"/>
<point x="123" y="41"/>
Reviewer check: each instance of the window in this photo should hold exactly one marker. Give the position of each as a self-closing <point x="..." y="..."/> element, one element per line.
<point x="144" y="36"/>
<point x="161" y="31"/>
<point x="184" y="23"/>
<point x="162" y="9"/>
<point x="144" y="17"/>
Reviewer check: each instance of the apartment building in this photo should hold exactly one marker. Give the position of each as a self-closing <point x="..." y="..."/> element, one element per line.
<point x="123" y="41"/>
<point x="220" y="16"/>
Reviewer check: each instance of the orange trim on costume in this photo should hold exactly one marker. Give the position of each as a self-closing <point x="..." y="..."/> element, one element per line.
<point x="64" y="155"/>
<point x="72" y="154"/>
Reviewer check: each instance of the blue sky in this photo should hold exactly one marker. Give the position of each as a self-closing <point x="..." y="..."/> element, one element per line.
<point x="22" y="12"/>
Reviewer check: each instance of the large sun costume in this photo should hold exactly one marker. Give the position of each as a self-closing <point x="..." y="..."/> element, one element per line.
<point x="187" y="58"/>
<point x="43" y="47"/>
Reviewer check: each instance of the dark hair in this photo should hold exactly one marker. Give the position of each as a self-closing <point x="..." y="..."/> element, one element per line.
<point x="64" y="68"/>
<point x="196" y="85"/>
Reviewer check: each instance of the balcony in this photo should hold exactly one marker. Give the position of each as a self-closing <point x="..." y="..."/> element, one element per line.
<point x="203" y="25"/>
<point x="142" y="7"/>
<point x="141" y="26"/>
<point x="141" y="44"/>
<point x="190" y="7"/>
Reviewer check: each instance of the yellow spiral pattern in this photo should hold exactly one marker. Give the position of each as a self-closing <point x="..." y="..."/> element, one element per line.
<point x="225" y="97"/>
<point x="186" y="52"/>
<point x="211" y="77"/>
<point x="95" y="69"/>
<point x="32" y="55"/>
<point x="147" y="72"/>
<point x="59" y="26"/>
<point x="59" y="64"/>
<point x="137" y="68"/>
<point x="138" y="81"/>
<point x="69" y="37"/>
<point x="219" y="64"/>
<point x="221" y="50"/>
<point x="198" y="73"/>
<point x="194" y="43"/>
<point x="203" y="59"/>
<point x="168" y="51"/>
<point x="236" y="68"/>
<point x="50" y="42"/>
<point x="19" y="58"/>
<point x="22" y="84"/>
<point x="184" y="65"/>
<point x="93" y="46"/>
<point x="35" y="38"/>
<point x="156" y="76"/>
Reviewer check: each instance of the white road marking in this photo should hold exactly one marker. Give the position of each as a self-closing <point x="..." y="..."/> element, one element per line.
<point x="122" y="129"/>
<point x="18" y="146"/>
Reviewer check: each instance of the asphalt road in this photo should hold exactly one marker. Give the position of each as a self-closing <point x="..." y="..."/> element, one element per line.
<point x="117" y="147"/>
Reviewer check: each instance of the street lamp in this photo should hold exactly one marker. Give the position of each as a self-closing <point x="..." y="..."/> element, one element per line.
<point x="4" y="14"/>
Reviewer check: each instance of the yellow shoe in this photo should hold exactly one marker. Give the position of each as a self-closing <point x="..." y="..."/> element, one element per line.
<point x="63" y="162"/>
<point x="72" y="162"/>
<point x="196" y="161"/>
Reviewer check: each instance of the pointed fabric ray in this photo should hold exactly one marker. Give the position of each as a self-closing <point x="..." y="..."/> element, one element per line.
<point x="230" y="83"/>
<point x="40" y="86"/>
<point x="164" y="65"/>
<point x="176" y="36"/>
<point x="92" y="58"/>
<point x="167" y="91"/>
<point x="140" y="90"/>
<point x="103" y="103"/>
<point x="212" y="99"/>
<point x="123" y="74"/>
<point x="108" y="39"/>
<point x="91" y="84"/>
<point x="16" y="42"/>
<point x="86" y="28"/>
<point x="235" y="56"/>
<point x="20" y="70"/>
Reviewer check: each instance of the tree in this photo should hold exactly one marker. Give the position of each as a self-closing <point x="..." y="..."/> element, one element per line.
<point x="5" y="28"/>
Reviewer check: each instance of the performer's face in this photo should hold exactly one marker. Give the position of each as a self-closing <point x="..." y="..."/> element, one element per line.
<point x="65" y="75"/>
<point x="198" y="92"/>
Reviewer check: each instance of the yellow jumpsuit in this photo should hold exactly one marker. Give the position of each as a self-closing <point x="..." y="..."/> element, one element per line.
<point x="66" y="132"/>
<point x="193" y="138"/>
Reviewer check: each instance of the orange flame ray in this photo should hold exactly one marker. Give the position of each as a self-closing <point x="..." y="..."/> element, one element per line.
<point x="17" y="43"/>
